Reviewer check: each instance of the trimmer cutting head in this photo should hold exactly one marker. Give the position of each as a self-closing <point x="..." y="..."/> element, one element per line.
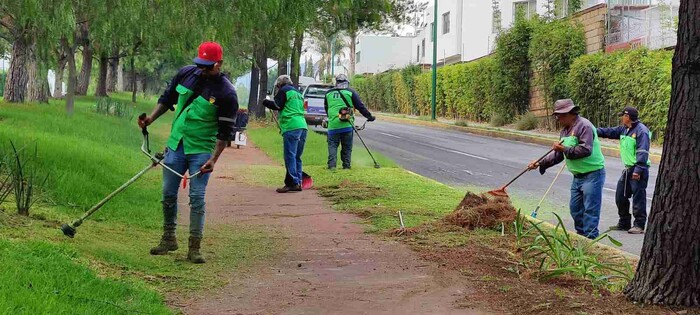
<point x="68" y="230"/>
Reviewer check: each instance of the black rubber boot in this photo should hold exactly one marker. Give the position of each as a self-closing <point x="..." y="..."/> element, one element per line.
<point x="168" y="243"/>
<point x="194" y="255"/>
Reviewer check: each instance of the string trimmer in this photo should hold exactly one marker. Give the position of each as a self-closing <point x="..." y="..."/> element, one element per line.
<point x="355" y="128"/>
<point x="156" y="159"/>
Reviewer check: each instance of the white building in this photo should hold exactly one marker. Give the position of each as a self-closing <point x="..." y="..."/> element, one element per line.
<point x="467" y="30"/>
<point x="463" y="32"/>
<point x="376" y="54"/>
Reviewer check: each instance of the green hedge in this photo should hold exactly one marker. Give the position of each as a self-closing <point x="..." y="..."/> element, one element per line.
<point x="602" y="84"/>
<point x="498" y="86"/>
<point x="553" y="47"/>
<point x="464" y="91"/>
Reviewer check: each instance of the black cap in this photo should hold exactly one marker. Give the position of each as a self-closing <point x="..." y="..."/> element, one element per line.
<point x="631" y="111"/>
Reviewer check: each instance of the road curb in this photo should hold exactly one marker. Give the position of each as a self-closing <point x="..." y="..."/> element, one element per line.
<point x="503" y="134"/>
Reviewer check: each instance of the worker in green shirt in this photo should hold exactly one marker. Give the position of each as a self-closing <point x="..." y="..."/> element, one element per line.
<point x="579" y="147"/>
<point x="634" y="150"/>
<point x="205" y="105"/>
<point x="290" y="104"/>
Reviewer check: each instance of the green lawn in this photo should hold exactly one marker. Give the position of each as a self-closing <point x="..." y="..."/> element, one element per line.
<point x="106" y="268"/>
<point x="375" y="194"/>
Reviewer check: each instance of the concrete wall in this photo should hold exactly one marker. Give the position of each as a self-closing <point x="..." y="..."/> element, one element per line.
<point x="381" y="53"/>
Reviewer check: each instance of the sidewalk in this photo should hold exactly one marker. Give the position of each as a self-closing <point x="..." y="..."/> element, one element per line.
<point x="327" y="263"/>
<point x="539" y="136"/>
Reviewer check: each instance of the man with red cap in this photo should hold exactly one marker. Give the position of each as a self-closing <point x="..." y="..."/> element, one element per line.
<point x="205" y="105"/>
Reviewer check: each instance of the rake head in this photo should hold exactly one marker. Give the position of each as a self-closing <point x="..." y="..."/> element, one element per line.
<point x="501" y="192"/>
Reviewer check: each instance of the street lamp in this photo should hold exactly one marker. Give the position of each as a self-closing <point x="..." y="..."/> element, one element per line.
<point x="434" y="92"/>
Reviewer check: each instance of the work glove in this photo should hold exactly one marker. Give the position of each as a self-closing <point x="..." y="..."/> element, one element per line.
<point x="371" y="118"/>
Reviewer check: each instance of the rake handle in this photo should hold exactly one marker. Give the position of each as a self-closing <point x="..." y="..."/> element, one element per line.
<point x="527" y="168"/>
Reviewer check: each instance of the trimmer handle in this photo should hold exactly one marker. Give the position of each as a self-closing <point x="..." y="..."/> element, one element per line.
<point x="144" y="130"/>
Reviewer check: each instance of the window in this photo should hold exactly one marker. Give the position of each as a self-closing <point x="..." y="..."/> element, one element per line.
<point x="496" y="24"/>
<point x="357" y="57"/>
<point x="525" y="8"/>
<point x="432" y="27"/>
<point x="418" y="53"/>
<point x="445" y="23"/>
<point x="423" y="48"/>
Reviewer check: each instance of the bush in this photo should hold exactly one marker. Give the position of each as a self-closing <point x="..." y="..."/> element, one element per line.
<point x="555" y="253"/>
<point x="589" y="88"/>
<point x="498" y="120"/>
<point x="554" y="46"/>
<point x="462" y="123"/>
<point x="25" y="179"/>
<point x="527" y="122"/>
<point x="114" y="107"/>
<point x="512" y="70"/>
<point x="603" y="84"/>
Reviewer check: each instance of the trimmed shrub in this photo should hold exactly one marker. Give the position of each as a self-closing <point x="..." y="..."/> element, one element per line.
<point x="527" y="121"/>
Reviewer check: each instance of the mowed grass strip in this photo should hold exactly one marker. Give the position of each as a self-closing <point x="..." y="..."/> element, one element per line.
<point x="106" y="268"/>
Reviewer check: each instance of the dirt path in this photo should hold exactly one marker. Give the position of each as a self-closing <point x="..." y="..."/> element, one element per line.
<point x="328" y="264"/>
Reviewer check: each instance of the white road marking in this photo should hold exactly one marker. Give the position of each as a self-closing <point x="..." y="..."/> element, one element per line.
<point x="477" y="173"/>
<point x="463" y="153"/>
<point x="390" y="135"/>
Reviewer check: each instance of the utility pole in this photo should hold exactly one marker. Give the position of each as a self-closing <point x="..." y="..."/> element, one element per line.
<point x="435" y="39"/>
<point x="332" y="57"/>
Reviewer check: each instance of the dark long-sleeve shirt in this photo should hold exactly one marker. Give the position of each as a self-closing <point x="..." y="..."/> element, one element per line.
<point x="581" y="129"/>
<point x="356" y="103"/>
<point x="638" y="131"/>
<point x="217" y="90"/>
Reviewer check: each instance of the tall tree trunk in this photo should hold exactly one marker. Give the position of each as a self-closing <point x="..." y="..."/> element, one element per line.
<point x="254" y="85"/>
<point x="144" y="86"/>
<point x="70" y="89"/>
<point x="261" y="60"/>
<point x="17" y="78"/>
<point x="282" y="65"/>
<point x="101" y="90"/>
<point x="133" y="80"/>
<point x="353" y="50"/>
<point x="113" y="71"/>
<point x="85" y="71"/>
<point x="296" y="56"/>
<point x="668" y="271"/>
<point x="37" y="85"/>
<point x="62" y="59"/>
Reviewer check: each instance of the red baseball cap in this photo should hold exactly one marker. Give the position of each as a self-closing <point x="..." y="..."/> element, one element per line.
<point x="209" y="53"/>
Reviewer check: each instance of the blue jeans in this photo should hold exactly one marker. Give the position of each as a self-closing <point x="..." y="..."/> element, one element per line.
<point x="586" y="200"/>
<point x="181" y="162"/>
<point x="294" y="141"/>
<point x="345" y="141"/>
<point x="637" y="189"/>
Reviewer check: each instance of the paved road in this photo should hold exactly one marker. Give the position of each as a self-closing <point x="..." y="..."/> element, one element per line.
<point x="466" y="160"/>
